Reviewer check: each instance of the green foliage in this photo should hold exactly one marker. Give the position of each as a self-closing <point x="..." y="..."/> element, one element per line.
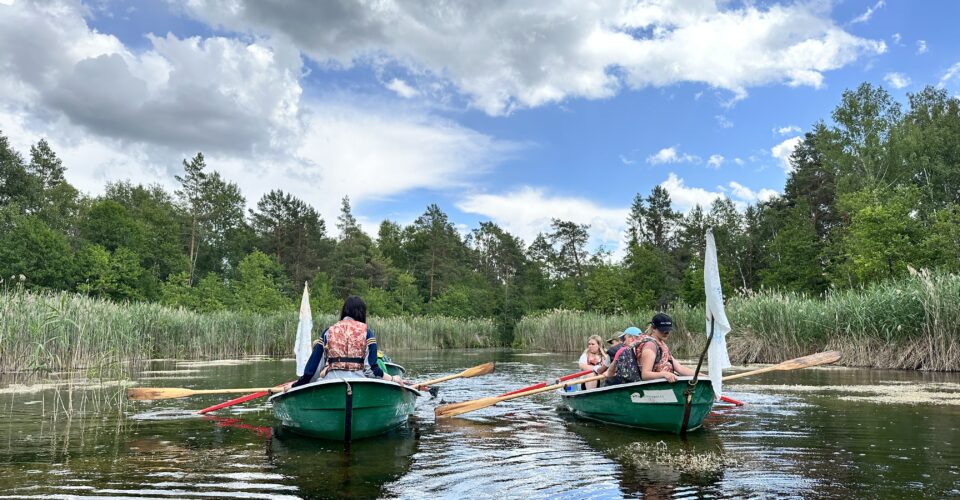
<point x="29" y="247"/>
<point x="257" y="285"/>
<point x="106" y="274"/>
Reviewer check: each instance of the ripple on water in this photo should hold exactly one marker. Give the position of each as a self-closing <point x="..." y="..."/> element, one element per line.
<point x="166" y="414"/>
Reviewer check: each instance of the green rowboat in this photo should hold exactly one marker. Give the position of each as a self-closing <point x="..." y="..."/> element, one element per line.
<point x="655" y="405"/>
<point x="394" y="369"/>
<point x="345" y="409"/>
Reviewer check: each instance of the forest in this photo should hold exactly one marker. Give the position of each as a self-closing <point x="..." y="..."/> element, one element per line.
<point x="873" y="193"/>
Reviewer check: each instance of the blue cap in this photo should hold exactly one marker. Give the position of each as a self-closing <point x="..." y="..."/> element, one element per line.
<point x="632" y="331"/>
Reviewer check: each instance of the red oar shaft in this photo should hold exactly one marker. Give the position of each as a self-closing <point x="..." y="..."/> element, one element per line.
<point x="731" y="401"/>
<point x="544" y="384"/>
<point x="241" y="399"/>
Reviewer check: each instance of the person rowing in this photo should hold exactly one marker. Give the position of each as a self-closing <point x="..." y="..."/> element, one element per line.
<point x="645" y="355"/>
<point x="593" y="358"/>
<point x="655" y="358"/>
<point x="348" y="349"/>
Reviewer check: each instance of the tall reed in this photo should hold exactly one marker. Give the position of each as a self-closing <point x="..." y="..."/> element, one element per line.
<point x="909" y="323"/>
<point x="61" y="331"/>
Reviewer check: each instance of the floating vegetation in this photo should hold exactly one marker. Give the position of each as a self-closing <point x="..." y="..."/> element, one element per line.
<point x="938" y="393"/>
<point x="644" y="456"/>
<point x="76" y="384"/>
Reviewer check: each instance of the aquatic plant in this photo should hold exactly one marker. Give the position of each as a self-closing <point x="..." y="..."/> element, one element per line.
<point x="50" y="331"/>
<point x="908" y="323"/>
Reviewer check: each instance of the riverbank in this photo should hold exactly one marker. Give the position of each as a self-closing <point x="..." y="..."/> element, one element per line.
<point x="911" y="323"/>
<point x="60" y="331"/>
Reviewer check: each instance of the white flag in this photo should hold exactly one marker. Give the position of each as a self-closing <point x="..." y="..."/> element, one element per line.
<point x="717" y="354"/>
<point x="302" y="348"/>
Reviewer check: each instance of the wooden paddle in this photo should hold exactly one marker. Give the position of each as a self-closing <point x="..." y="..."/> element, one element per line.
<point x="821" y="358"/>
<point x="468" y="406"/>
<point x="476" y="371"/>
<point x="145" y="393"/>
<point x="528" y="388"/>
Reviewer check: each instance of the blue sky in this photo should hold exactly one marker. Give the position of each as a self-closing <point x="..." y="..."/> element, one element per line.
<point x="514" y="112"/>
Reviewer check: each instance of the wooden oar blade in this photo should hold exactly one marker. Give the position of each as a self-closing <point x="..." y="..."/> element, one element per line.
<point x="820" y="358"/>
<point x="149" y="393"/>
<point x="476" y="371"/>
<point x="455" y="409"/>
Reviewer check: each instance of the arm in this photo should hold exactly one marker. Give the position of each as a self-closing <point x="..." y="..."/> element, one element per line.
<point x="647" y="356"/>
<point x="583" y="363"/>
<point x="612" y="370"/>
<point x="312" y="365"/>
<point x="680" y="369"/>
<point x="372" y="357"/>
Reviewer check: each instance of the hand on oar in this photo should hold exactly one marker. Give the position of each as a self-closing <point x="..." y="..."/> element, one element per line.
<point x="145" y="393"/>
<point x="468" y="406"/>
<point x="821" y="358"/>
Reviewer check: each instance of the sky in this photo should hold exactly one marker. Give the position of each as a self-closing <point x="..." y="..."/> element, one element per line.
<point x="511" y="111"/>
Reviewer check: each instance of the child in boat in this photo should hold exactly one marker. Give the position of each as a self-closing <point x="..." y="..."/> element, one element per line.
<point x="593" y="358"/>
<point x="654" y="355"/>
<point x="624" y="367"/>
<point x="348" y="349"/>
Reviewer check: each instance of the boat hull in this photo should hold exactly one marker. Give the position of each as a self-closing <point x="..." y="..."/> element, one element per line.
<point x="654" y="405"/>
<point x="345" y="409"/>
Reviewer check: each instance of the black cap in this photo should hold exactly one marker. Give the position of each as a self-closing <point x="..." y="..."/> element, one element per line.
<point x="662" y="322"/>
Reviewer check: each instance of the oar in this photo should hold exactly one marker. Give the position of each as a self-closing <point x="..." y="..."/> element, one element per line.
<point x="476" y="371"/>
<point x="241" y="399"/>
<point x="821" y="358"/>
<point x="143" y="393"/>
<point x="528" y="388"/>
<point x="461" y="408"/>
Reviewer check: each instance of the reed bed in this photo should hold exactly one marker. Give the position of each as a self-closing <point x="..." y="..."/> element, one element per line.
<point x="59" y="331"/>
<point x="909" y="323"/>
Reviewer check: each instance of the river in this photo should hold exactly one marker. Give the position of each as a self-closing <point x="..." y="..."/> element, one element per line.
<point x="820" y="432"/>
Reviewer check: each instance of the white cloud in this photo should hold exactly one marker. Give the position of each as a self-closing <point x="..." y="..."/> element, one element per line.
<point x="214" y="93"/>
<point x="896" y="38"/>
<point x="862" y="18"/>
<point x="783" y="151"/>
<point x="402" y="89"/>
<point x="921" y="47"/>
<point x="113" y="114"/>
<point x="723" y="121"/>
<point x="503" y="56"/>
<point x="748" y="195"/>
<point x="951" y="73"/>
<point x="671" y="155"/>
<point x="529" y="210"/>
<point x="626" y="161"/>
<point x="715" y="161"/>
<point x="738" y="161"/>
<point x="684" y="198"/>
<point x="897" y="80"/>
<point x="789" y="129"/>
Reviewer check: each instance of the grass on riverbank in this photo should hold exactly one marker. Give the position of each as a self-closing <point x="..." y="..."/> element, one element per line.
<point x="910" y="323"/>
<point x="64" y="331"/>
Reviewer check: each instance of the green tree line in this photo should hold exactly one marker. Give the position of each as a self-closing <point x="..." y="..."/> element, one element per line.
<point x="870" y="194"/>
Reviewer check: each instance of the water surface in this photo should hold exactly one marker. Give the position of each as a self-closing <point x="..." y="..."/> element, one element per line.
<point x="810" y="433"/>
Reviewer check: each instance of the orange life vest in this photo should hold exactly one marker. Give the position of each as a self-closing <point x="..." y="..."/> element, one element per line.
<point x="663" y="361"/>
<point x="346" y="345"/>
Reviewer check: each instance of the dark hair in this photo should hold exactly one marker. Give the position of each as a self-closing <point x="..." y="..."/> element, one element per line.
<point x="355" y="308"/>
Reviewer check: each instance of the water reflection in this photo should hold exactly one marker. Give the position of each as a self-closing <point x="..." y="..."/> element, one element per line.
<point x="331" y="469"/>
<point x="785" y="442"/>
